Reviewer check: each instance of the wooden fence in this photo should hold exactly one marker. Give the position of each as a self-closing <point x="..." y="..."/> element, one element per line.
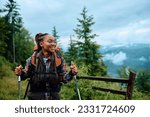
<point x="129" y="82"/>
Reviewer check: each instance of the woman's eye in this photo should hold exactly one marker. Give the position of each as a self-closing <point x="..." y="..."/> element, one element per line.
<point x="49" y="41"/>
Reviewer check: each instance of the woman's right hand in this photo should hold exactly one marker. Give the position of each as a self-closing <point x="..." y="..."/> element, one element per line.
<point x="18" y="70"/>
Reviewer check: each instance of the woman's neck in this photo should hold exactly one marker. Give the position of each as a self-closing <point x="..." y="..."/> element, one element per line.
<point x="45" y="53"/>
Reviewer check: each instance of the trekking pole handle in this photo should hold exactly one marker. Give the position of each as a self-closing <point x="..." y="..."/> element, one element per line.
<point x="19" y="78"/>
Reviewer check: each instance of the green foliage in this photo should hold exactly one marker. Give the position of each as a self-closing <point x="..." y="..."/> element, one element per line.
<point x="87" y="93"/>
<point x="55" y="34"/>
<point x="84" y="52"/>
<point x="68" y="91"/>
<point x="98" y="67"/>
<point x="83" y="29"/>
<point x="123" y="72"/>
<point x="13" y="19"/>
<point x="83" y="70"/>
<point x="9" y="88"/>
<point x="72" y="53"/>
<point x="24" y="46"/>
<point x="5" y="69"/>
<point x="140" y="95"/>
<point x="12" y="14"/>
<point x="87" y="51"/>
<point x="143" y="80"/>
<point x="85" y="36"/>
<point x="16" y="42"/>
<point x="4" y="27"/>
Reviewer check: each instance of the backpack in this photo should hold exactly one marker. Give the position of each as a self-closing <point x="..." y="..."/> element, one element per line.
<point x="58" y="62"/>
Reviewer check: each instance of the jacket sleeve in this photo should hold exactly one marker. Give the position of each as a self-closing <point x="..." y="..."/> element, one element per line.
<point x="68" y="76"/>
<point x="26" y="73"/>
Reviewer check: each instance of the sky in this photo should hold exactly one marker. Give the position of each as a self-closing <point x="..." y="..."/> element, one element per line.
<point x="116" y="21"/>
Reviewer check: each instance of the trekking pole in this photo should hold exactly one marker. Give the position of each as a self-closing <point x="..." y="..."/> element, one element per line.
<point x="19" y="79"/>
<point x="76" y="82"/>
<point x="77" y="88"/>
<point x="26" y="90"/>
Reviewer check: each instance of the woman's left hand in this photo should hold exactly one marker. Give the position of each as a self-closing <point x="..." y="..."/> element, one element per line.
<point x="73" y="69"/>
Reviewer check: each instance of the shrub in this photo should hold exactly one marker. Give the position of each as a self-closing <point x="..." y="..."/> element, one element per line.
<point x="143" y="80"/>
<point x="5" y="69"/>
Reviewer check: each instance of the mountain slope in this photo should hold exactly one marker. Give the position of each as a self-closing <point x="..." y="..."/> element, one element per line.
<point x="136" y="56"/>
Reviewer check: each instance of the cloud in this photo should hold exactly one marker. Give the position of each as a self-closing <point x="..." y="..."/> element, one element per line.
<point x="143" y="59"/>
<point x="41" y="15"/>
<point x="36" y="6"/>
<point x="142" y="30"/>
<point x="119" y="21"/>
<point x="135" y="32"/>
<point x="116" y="59"/>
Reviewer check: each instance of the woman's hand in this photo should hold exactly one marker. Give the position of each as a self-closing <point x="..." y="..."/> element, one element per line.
<point x="18" y="70"/>
<point x="73" y="70"/>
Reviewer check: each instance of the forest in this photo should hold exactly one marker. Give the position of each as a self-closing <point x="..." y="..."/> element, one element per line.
<point x="16" y="45"/>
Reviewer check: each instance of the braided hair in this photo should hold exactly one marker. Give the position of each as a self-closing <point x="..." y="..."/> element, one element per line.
<point x="38" y="38"/>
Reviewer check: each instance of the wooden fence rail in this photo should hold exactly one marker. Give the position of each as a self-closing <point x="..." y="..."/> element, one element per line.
<point x="129" y="82"/>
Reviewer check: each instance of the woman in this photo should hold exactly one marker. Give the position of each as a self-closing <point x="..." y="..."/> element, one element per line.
<point x="46" y="70"/>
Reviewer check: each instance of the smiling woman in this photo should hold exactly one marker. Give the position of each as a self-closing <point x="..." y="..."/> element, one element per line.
<point x="46" y="70"/>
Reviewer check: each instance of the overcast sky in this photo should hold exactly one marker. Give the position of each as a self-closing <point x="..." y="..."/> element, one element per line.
<point x="116" y="21"/>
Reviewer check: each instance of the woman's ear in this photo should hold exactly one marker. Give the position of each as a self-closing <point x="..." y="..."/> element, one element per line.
<point x="41" y="44"/>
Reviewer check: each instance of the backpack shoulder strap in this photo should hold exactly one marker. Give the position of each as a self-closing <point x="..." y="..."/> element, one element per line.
<point x="57" y="59"/>
<point x="60" y="61"/>
<point x="57" y="56"/>
<point x="34" y="59"/>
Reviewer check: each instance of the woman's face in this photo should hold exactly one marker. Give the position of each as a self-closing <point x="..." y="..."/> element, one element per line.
<point x="48" y="44"/>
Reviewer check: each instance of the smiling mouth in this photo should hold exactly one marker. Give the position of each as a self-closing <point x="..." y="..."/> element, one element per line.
<point x="52" y="49"/>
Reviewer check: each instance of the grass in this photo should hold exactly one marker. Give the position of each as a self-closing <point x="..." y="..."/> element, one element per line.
<point x="87" y="93"/>
<point x="9" y="90"/>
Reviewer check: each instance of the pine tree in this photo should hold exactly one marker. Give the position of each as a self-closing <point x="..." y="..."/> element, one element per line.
<point x="13" y="36"/>
<point x="24" y="46"/>
<point x="72" y="52"/>
<point x="97" y="66"/>
<point x="143" y="80"/>
<point x="55" y="34"/>
<point x="88" y="50"/>
<point x="4" y="27"/>
<point x="84" y="34"/>
<point x="15" y="21"/>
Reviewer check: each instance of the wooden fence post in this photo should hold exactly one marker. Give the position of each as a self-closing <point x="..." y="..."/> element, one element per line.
<point x="130" y="85"/>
